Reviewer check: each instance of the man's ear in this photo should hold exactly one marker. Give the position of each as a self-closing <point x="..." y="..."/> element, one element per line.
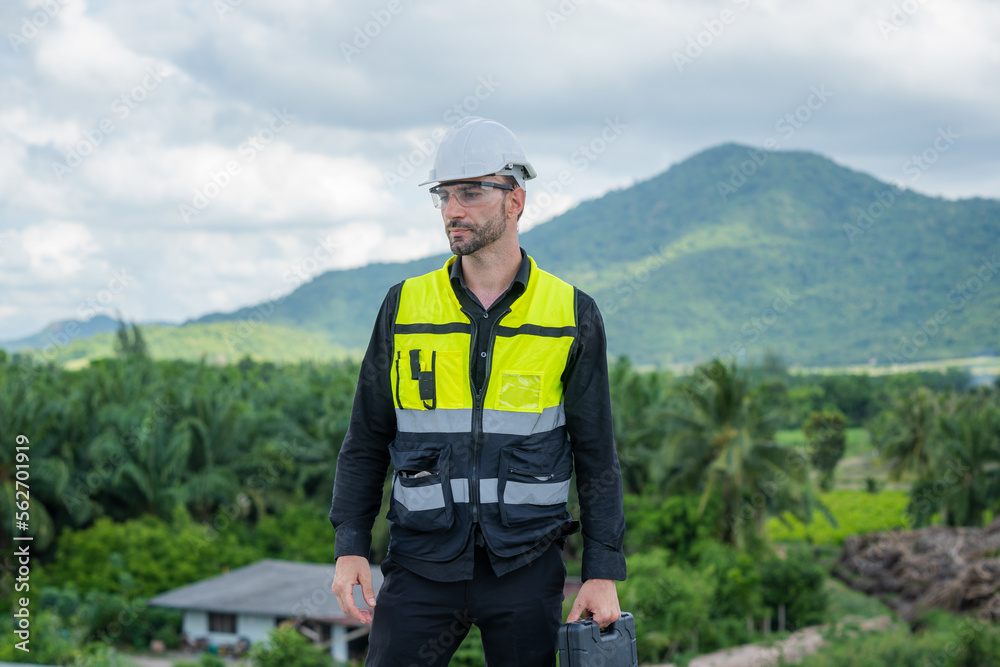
<point x="515" y="202"/>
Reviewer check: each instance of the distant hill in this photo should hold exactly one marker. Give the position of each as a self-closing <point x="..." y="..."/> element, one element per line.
<point x="698" y="261"/>
<point x="59" y="333"/>
<point x="217" y="342"/>
<point x="796" y="254"/>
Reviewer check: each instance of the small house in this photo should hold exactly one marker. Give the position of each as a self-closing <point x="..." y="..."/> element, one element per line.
<point x="244" y="605"/>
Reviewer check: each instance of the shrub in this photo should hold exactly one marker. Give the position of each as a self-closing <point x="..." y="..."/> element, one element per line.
<point x="287" y="648"/>
<point x="798" y="583"/>
<point x="112" y="618"/>
<point x="143" y="557"/>
<point x="944" y="641"/>
<point x="671" y="604"/>
<point x="672" y="523"/>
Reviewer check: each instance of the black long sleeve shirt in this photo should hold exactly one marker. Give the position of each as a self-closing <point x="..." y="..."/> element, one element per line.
<point x="364" y="455"/>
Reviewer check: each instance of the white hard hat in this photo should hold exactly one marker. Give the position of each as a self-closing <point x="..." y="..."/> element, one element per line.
<point x="475" y="147"/>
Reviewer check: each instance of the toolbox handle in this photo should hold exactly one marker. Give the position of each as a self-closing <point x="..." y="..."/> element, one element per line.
<point x="611" y="631"/>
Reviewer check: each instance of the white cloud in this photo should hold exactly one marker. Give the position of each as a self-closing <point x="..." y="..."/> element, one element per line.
<point x="323" y="176"/>
<point x="80" y="52"/>
<point x="58" y="249"/>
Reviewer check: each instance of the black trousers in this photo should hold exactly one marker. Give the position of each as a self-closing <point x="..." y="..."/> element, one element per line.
<point x="420" y="622"/>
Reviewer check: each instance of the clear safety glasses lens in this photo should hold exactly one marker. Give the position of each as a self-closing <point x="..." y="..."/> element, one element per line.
<point x="466" y="194"/>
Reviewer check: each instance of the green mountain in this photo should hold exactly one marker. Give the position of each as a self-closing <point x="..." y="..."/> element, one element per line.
<point x="735" y="250"/>
<point x="216" y="342"/>
<point x="61" y="333"/>
<point x="795" y="253"/>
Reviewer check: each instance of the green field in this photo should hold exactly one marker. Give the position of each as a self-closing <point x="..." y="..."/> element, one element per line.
<point x="856" y="512"/>
<point x="858" y="441"/>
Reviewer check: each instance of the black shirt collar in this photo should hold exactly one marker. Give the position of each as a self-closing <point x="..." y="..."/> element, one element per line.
<point x="521" y="278"/>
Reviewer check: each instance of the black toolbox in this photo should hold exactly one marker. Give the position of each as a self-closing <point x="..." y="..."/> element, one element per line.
<point x="584" y="644"/>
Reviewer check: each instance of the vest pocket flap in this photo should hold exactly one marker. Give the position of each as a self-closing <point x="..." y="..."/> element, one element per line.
<point x="419" y="498"/>
<point x="421" y="488"/>
<point x="533" y="483"/>
<point x="415" y="464"/>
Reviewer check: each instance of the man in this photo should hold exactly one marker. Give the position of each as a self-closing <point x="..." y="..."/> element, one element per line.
<point x="485" y="383"/>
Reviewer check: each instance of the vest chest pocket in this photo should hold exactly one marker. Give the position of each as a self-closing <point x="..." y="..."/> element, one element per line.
<point x="421" y="489"/>
<point x="520" y="391"/>
<point x="429" y="379"/>
<point x="533" y="484"/>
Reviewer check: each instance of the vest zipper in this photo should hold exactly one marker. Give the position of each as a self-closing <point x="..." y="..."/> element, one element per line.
<point x="473" y="455"/>
<point x="477" y="406"/>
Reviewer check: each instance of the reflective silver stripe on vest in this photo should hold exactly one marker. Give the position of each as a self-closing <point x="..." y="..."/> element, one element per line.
<point x="522" y="423"/>
<point x="418" y="498"/>
<point x="549" y="493"/>
<point x="460" y="490"/>
<point x="515" y="493"/>
<point x="488" y="490"/>
<point x="434" y="421"/>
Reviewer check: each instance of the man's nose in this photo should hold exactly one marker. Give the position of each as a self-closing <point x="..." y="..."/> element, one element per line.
<point x="453" y="209"/>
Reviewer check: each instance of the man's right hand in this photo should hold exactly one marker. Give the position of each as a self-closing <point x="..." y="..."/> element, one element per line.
<point x="351" y="571"/>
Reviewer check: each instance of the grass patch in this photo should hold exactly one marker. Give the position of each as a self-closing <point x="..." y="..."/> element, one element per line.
<point x="856" y="512"/>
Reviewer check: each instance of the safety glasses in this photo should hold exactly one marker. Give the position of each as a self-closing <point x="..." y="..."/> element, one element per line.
<point x="466" y="193"/>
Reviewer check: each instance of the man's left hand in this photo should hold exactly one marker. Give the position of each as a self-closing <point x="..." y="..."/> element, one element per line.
<point x="597" y="599"/>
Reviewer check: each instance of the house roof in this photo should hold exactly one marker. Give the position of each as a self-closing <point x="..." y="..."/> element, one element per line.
<point x="268" y="587"/>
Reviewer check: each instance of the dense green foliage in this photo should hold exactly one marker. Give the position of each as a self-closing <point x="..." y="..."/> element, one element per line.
<point x="716" y="596"/>
<point x="950" y="446"/>
<point x="128" y="557"/>
<point x="136" y="463"/>
<point x="126" y="438"/>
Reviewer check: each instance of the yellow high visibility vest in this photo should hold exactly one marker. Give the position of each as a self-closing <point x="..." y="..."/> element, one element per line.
<point x="499" y="458"/>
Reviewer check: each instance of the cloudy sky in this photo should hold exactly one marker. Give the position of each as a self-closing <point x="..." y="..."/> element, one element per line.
<point x="182" y="157"/>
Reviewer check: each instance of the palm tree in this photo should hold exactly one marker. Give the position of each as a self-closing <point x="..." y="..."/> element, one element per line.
<point x="963" y="484"/>
<point x="638" y="404"/>
<point x="138" y="461"/>
<point x="723" y="446"/>
<point x="827" y="441"/>
<point x="34" y="477"/>
<point x="905" y="433"/>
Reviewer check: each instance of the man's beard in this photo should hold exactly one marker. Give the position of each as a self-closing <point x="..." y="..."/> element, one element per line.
<point x="480" y="236"/>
